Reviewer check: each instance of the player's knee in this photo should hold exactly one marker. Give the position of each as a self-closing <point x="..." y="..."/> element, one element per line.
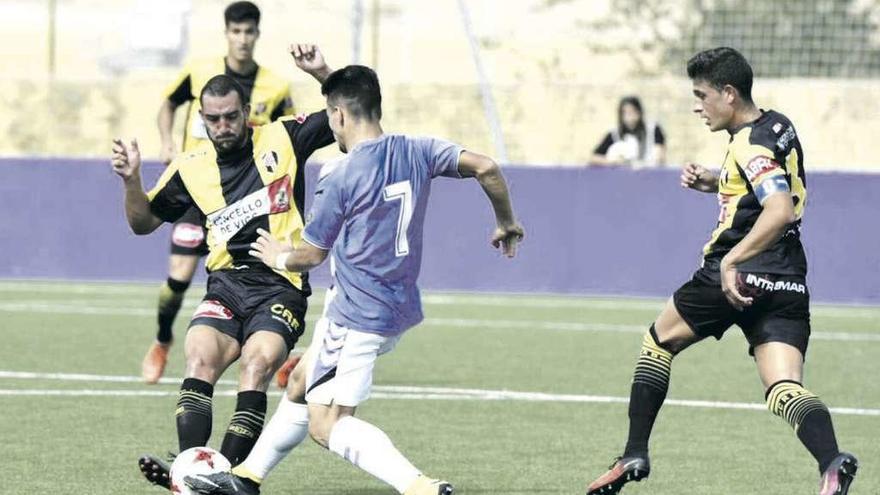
<point x="257" y="369"/>
<point x="668" y="341"/>
<point x="182" y="267"/>
<point x="202" y="367"/>
<point x="319" y="430"/>
<point x="296" y="387"/>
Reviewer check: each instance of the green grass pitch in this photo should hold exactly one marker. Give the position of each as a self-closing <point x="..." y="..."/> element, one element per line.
<point x="498" y="394"/>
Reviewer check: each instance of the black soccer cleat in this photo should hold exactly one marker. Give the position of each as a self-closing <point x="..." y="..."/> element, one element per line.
<point x="155" y="470"/>
<point x="621" y="472"/>
<point x="839" y="475"/>
<point x="224" y="483"/>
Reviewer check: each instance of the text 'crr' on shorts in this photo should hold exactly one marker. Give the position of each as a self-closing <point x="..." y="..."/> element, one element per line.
<point x="340" y="370"/>
<point x="189" y="237"/>
<point x="239" y="303"/>
<point x="780" y="311"/>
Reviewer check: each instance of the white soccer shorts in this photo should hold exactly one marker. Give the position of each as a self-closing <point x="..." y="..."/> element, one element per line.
<point x="341" y="370"/>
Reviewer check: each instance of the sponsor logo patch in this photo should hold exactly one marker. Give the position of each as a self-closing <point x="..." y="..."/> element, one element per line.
<point x="773" y="286"/>
<point x="759" y="166"/>
<point x="187" y="235"/>
<point x="211" y="308"/>
<point x="279" y="312"/>
<point x="274" y="198"/>
<point x="785" y="139"/>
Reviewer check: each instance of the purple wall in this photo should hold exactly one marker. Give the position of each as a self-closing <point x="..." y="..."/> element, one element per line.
<point x="602" y="231"/>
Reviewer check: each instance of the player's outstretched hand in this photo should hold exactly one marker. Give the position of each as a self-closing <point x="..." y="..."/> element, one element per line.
<point x="507" y="237"/>
<point x="310" y="59"/>
<point x="267" y="249"/>
<point x="729" y="285"/>
<point x="126" y="159"/>
<point x="697" y="177"/>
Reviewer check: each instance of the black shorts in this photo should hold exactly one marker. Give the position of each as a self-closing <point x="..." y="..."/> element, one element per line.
<point x="780" y="311"/>
<point x="188" y="234"/>
<point x="242" y="302"/>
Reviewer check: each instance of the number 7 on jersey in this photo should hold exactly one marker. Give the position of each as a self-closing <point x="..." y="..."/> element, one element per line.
<point x="401" y="191"/>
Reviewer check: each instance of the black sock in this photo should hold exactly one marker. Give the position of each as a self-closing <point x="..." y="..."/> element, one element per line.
<point x="650" y="383"/>
<point x="245" y="426"/>
<point x="194" y="413"/>
<point x="170" y="300"/>
<point x="808" y="416"/>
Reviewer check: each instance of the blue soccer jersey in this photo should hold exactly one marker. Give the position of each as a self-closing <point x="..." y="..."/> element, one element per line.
<point x="369" y="211"/>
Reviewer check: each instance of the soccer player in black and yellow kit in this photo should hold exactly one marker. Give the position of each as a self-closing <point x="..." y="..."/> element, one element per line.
<point x="243" y="180"/>
<point x="753" y="276"/>
<point x="269" y="98"/>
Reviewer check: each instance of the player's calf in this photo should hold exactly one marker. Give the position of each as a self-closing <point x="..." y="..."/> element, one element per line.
<point x="809" y="417"/>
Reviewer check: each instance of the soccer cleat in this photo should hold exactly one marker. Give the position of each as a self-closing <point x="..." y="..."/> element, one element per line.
<point x="155" y="361"/>
<point x="224" y="483"/>
<point x="839" y="475"/>
<point x="155" y="470"/>
<point x="282" y="377"/>
<point x="427" y="486"/>
<point x="621" y="472"/>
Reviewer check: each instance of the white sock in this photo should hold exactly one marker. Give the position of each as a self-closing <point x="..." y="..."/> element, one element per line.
<point x="286" y="429"/>
<point x="370" y="449"/>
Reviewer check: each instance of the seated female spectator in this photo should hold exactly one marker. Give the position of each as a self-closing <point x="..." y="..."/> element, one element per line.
<point x="634" y="142"/>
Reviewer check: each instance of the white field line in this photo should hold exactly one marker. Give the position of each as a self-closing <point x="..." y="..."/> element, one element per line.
<point x="571" y="326"/>
<point x="379" y="392"/>
<point x="431" y="299"/>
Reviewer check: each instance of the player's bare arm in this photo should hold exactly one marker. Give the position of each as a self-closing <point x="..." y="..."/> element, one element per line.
<point x="777" y="214"/>
<point x="699" y="178"/>
<point x="283" y="257"/>
<point x="126" y="162"/>
<point x="165" y="122"/>
<point x="310" y="60"/>
<point x="508" y="231"/>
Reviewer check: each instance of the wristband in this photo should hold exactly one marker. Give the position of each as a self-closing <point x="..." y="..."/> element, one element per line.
<point x="281" y="261"/>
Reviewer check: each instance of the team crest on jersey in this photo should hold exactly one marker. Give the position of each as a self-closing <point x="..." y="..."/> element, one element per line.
<point x="274" y="198"/>
<point x="270" y="160"/>
<point x="260" y="108"/>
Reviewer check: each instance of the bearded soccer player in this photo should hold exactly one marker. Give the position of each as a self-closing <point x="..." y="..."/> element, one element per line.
<point x="247" y="180"/>
<point x="368" y="215"/>
<point x="753" y="276"/>
<point x="269" y="99"/>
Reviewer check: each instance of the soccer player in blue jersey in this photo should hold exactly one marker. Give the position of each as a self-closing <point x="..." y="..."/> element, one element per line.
<point x="368" y="215"/>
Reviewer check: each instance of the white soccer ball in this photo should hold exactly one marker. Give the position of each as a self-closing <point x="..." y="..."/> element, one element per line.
<point x="197" y="460"/>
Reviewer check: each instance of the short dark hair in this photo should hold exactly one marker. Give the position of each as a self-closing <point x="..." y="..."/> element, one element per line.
<point x="222" y="85"/>
<point x="359" y="87"/>
<point x="722" y="66"/>
<point x="242" y="11"/>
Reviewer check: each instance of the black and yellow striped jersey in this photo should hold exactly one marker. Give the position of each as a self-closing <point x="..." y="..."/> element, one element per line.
<point x="268" y="94"/>
<point x="760" y="153"/>
<point x="258" y="186"/>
